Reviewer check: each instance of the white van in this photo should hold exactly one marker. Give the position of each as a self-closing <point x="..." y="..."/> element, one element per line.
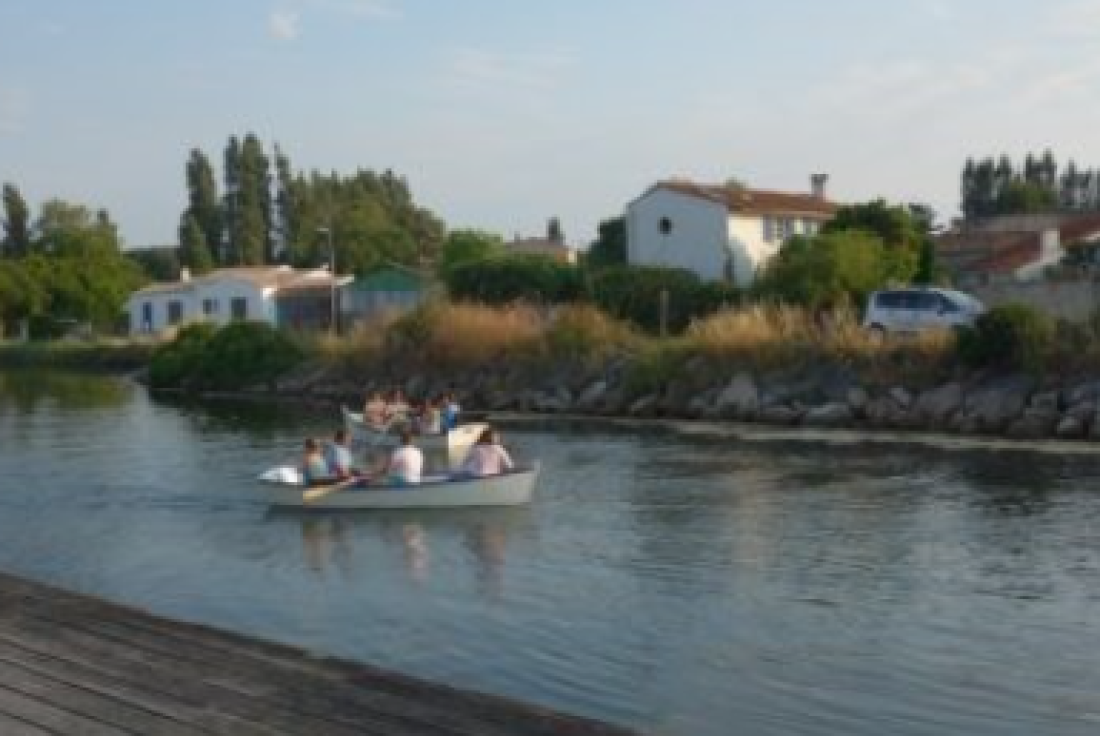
<point x="917" y="308"/>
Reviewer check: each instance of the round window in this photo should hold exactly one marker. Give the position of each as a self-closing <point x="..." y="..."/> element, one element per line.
<point x="665" y="226"/>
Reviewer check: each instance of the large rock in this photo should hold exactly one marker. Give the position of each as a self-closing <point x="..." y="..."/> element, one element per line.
<point x="646" y="406"/>
<point x="1045" y="400"/>
<point x="1071" y="428"/>
<point x="592" y="396"/>
<point x="833" y="414"/>
<point x="740" y="399"/>
<point x="786" y="416"/>
<point x="858" y="398"/>
<point x="1089" y="391"/>
<point x="1034" y="424"/>
<point x="883" y="411"/>
<point x="901" y="397"/>
<point x="994" y="406"/>
<point x="935" y="407"/>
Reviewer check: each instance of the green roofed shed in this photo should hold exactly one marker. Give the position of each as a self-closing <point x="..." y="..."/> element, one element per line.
<point x="389" y="289"/>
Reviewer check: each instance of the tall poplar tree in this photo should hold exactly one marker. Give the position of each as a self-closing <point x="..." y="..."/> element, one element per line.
<point x="17" y="231"/>
<point x="231" y="256"/>
<point x="203" y="205"/>
<point x="195" y="251"/>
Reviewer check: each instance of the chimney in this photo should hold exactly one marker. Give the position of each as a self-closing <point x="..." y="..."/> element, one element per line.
<point x="817" y="185"/>
<point x="185" y="273"/>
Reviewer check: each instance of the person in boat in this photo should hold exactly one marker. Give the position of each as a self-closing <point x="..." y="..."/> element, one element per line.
<point x="450" y="411"/>
<point x="405" y="465"/>
<point x="314" y="468"/>
<point x="397" y="409"/>
<point x="486" y="457"/>
<point x="374" y="411"/>
<point x="338" y="456"/>
<point x="431" y="417"/>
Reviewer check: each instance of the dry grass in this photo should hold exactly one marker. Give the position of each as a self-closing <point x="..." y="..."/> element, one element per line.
<point x="470" y="334"/>
<point x="582" y="330"/>
<point x="768" y="336"/>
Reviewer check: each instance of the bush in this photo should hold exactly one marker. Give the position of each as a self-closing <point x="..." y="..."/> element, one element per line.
<point x="581" y="330"/>
<point x="465" y="334"/>
<point x="507" y="279"/>
<point x="177" y="362"/>
<point x="203" y="356"/>
<point x="1008" y="336"/>
<point x="244" y="353"/>
<point x="633" y="293"/>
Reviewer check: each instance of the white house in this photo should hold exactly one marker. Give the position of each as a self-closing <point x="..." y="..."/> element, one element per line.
<point x="720" y="232"/>
<point x="221" y="296"/>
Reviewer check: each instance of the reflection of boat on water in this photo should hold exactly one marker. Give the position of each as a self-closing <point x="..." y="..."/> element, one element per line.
<point x="463" y="435"/>
<point x="515" y="487"/>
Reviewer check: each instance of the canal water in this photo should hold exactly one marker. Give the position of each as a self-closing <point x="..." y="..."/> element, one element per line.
<point x="676" y="579"/>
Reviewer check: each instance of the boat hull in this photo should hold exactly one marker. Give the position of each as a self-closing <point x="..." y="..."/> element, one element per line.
<point x="464" y="435"/>
<point x="509" y="489"/>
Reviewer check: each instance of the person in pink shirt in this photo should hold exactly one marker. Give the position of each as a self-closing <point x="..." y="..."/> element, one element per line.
<point x="486" y="457"/>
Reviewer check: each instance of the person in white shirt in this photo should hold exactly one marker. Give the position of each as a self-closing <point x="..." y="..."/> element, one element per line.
<point x="406" y="464"/>
<point x="486" y="457"/>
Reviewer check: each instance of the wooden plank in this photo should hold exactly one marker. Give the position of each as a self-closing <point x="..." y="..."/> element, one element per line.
<point x="53" y="718"/>
<point x="123" y="668"/>
<point x="128" y="716"/>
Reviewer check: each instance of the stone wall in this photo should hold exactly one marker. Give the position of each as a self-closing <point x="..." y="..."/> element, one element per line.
<point x="1073" y="300"/>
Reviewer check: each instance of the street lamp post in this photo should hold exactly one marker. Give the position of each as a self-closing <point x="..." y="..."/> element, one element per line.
<point x="333" y="315"/>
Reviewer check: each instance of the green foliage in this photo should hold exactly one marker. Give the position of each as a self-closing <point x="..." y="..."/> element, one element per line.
<point x="468" y="246"/>
<point x="233" y="357"/>
<point x="827" y="270"/>
<point x="1008" y="336"/>
<point x="609" y="248"/>
<point x="157" y="264"/>
<point x="194" y="252"/>
<point x="652" y="370"/>
<point x="17" y="236"/>
<point x="904" y="231"/>
<point x="176" y="363"/>
<point x="531" y="278"/>
<point x="634" y="293"/>
<point x="993" y="187"/>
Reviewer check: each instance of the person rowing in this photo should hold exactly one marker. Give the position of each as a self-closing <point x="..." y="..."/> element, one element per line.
<point x="314" y="469"/>
<point x="338" y="457"/>
<point x="405" y="465"/>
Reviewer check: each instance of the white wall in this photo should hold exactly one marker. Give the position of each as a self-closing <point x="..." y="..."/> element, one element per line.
<point x="260" y="303"/>
<point x="697" y="241"/>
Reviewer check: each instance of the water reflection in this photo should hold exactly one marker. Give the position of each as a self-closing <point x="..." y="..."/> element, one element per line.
<point x="26" y="390"/>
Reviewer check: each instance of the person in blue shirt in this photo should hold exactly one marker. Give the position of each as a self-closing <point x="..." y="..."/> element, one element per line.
<point x="338" y="457"/>
<point x="314" y="468"/>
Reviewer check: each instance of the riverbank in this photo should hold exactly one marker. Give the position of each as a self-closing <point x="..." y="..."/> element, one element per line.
<point x="121" y="356"/>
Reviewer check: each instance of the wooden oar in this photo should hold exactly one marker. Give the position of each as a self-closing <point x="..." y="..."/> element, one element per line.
<point x="316" y="492"/>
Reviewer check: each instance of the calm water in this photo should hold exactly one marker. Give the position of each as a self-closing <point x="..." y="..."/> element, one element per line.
<point x="682" y="582"/>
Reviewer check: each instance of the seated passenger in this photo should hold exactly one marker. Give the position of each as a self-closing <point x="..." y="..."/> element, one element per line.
<point x="431" y="418"/>
<point x="374" y="411"/>
<point x="405" y="465"/>
<point x="449" y="411"/>
<point x="486" y="457"/>
<point x="314" y="468"/>
<point x="338" y="457"/>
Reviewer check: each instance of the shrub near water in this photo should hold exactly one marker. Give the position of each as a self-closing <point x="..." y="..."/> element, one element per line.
<point x="177" y="362"/>
<point x="581" y="330"/>
<point x="1007" y="336"/>
<point x="466" y="334"/>
<point x="203" y="356"/>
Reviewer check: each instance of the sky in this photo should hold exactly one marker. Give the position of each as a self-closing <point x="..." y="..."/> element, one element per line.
<point x="503" y="113"/>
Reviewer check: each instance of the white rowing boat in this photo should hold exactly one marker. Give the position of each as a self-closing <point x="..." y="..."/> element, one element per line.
<point x="463" y="435"/>
<point x="508" y="489"/>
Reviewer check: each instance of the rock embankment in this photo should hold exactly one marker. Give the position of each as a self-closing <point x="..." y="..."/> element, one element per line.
<point x="1017" y="406"/>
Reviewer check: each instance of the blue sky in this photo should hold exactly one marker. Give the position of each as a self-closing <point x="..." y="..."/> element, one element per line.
<point x="503" y="113"/>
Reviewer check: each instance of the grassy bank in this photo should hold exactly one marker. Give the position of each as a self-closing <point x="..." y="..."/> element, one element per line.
<point x="99" y="356"/>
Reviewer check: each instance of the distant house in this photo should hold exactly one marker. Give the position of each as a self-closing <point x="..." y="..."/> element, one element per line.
<point x="251" y="293"/>
<point x="720" y="232"/>
<point x="1012" y="247"/>
<point x="555" y="249"/>
<point x="394" y="288"/>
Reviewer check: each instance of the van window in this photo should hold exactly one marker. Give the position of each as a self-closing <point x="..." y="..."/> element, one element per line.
<point x="925" y="301"/>
<point x="948" y="305"/>
<point x="889" y="300"/>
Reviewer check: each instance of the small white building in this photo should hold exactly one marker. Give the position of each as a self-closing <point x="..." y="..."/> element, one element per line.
<point x="247" y="293"/>
<point x="720" y="232"/>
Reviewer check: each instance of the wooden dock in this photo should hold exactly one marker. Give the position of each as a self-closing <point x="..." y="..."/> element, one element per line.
<point x="72" y="664"/>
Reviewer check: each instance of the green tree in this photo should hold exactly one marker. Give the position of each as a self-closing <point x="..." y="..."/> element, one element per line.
<point x="554" y="232"/>
<point x="468" y="246"/>
<point x="204" y="206"/>
<point x="609" y="248"/>
<point x="195" y="252"/>
<point x="17" y="234"/>
<point x="827" y="270"/>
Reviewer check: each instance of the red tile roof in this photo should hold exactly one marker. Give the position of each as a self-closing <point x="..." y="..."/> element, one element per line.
<point x="747" y="201"/>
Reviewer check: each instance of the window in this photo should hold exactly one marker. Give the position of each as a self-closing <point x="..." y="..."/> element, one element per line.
<point x="209" y="307"/>
<point x="925" y="301"/>
<point x="889" y="300"/>
<point x="769" y="230"/>
<point x="147" y="316"/>
<point x="786" y="228"/>
<point x="810" y="227"/>
<point x="175" y="312"/>
<point x="238" y="307"/>
<point x="665" y="226"/>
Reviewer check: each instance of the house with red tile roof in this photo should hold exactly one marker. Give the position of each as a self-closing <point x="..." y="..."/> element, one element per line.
<point x="1014" y="247"/>
<point x="720" y="232"/>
